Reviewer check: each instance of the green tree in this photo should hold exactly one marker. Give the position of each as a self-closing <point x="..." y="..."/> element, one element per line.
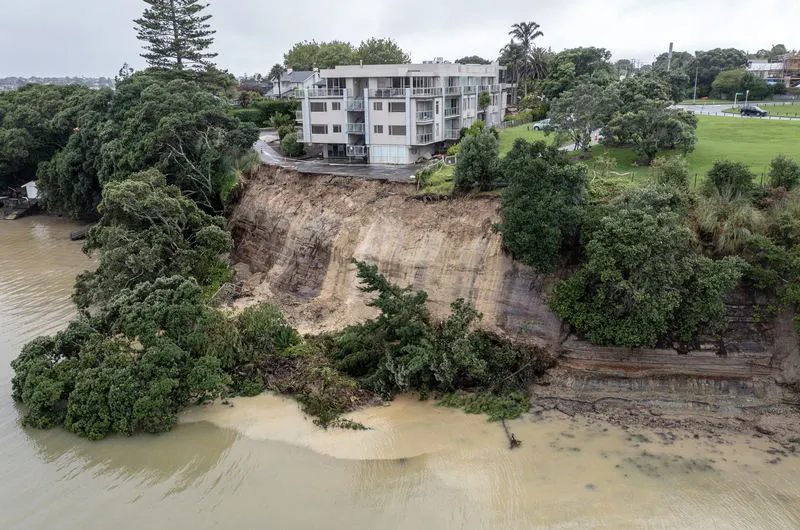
<point x="472" y="59"/>
<point x="672" y="172"/>
<point x="176" y="35"/>
<point x="542" y="205"/>
<point x="477" y="162"/>
<point x="291" y="145"/>
<point x="484" y="100"/>
<point x="656" y="127"/>
<point x="642" y="280"/>
<point x="784" y="173"/>
<point x="302" y="56"/>
<point x="710" y="63"/>
<point x="381" y="51"/>
<point x="335" y="53"/>
<point x="582" y="110"/>
<point x="729" y="82"/>
<point x="150" y="230"/>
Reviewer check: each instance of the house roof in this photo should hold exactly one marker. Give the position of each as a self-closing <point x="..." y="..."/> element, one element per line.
<point x="296" y="76"/>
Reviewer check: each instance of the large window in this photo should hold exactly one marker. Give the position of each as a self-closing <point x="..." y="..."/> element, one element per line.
<point x="319" y="106"/>
<point x="336" y="105"/>
<point x="397" y="106"/>
<point x="337" y="128"/>
<point x="378" y="129"/>
<point x="397" y="130"/>
<point x="377" y="105"/>
<point x="319" y="129"/>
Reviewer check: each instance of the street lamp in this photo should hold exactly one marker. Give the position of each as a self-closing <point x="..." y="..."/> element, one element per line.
<point x="746" y="98"/>
<point x="736" y="97"/>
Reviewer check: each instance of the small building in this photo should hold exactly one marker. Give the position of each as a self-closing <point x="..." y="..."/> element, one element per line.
<point x="398" y="113"/>
<point x="292" y="81"/>
<point x="770" y="72"/>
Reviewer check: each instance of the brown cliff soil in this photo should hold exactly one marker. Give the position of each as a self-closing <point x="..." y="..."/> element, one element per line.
<point x="296" y="234"/>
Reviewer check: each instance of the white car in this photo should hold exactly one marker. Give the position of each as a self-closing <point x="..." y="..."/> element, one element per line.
<point x="541" y="125"/>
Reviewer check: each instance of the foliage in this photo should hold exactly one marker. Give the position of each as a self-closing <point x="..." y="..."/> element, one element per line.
<point x="497" y="407"/>
<point x="381" y="51"/>
<point x="672" y="172"/>
<point x="291" y="145"/>
<point x="484" y="100"/>
<point x="247" y="115"/>
<point x="729" y="178"/>
<point x="283" y="130"/>
<point x="784" y="173"/>
<point x="150" y="230"/>
<point x="582" y="110"/>
<point x="472" y="59"/>
<point x="269" y="108"/>
<point x="477" y="162"/>
<point x="542" y="205"/>
<point x="307" y="55"/>
<point x="729" y="82"/>
<point x="279" y="120"/>
<point x="176" y="35"/>
<point x="711" y="63"/>
<point x="726" y="223"/>
<point x="656" y="127"/>
<point x="642" y="280"/>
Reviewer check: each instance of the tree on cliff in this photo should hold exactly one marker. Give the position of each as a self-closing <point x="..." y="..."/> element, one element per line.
<point x="176" y="35"/>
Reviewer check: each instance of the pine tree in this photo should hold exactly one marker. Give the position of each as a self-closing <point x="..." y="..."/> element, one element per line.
<point x="176" y="35"/>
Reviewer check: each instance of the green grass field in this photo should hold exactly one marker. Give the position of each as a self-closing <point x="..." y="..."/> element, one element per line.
<point x="792" y="110"/>
<point x="507" y="137"/>
<point x="754" y="142"/>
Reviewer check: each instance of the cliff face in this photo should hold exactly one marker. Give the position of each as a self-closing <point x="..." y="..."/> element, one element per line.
<point x="296" y="234"/>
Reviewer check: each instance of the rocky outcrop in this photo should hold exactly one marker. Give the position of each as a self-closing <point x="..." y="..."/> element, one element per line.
<point x="296" y="235"/>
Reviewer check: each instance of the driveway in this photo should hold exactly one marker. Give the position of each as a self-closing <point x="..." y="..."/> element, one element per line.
<point x="717" y="110"/>
<point x="403" y="174"/>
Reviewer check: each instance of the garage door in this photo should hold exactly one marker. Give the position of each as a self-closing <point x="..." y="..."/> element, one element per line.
<point x="388" y="154"/>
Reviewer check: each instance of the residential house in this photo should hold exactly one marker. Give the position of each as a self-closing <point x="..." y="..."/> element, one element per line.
<point x="294" y="80"/>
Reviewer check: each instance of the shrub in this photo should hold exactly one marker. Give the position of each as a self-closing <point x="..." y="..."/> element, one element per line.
<point x="283" y="130"/>
<point x="726" y="223"/>
<point x="477" y="162"/>
<point x="784" y="173"/>
<point x="249" y="115"/>
<point x="454" y="149"/>
<point x="729" y="178"/>
<point x="280" y="120"/>
<point x="672" y="172"/>
<point x="268" y="108"/>
<point x="291" y="146"/>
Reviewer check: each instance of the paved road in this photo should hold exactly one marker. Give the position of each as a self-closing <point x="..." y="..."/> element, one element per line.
<point x="269" y="155"/>
<point x="717" y="110"/>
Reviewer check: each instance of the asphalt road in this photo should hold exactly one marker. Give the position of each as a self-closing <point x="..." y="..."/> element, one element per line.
<point x="403" y="174"/>
<point x="717" y="110"/>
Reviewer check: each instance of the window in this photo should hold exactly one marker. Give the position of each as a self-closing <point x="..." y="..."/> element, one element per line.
<point x="397" y="106"/>
<point x="337" y="128"/>
<point x="378" y="129"/>
<point x="319" y="106"/>
<point x="437" y="106"/>
<point x="397" y="130"/>
<point x="336" y="105"/>
<point x="319" y="129"/>
<point x="378" y="105"/>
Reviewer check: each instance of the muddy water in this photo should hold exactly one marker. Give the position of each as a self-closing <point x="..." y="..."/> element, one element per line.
<point x="259" y="464"/>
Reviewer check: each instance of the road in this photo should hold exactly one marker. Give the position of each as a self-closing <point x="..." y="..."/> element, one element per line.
<point x="403" y="174"/>
<point x="717" y="110"/>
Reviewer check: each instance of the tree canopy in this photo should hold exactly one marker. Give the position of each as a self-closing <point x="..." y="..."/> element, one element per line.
<point x="176" y="35"/>
<point x="307" y="55"/>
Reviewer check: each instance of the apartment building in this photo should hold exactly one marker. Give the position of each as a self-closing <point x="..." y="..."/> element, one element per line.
<point x="398" y="113"/>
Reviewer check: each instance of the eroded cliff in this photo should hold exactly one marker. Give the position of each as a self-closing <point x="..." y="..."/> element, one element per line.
<point x="296" y="234"/>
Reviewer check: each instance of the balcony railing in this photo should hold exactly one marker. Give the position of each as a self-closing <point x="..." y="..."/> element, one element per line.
<point x="452" y="91"/>
<point x="355" y="105"/>
<point x="484" y="88"/>
<point x="452" y="134"/>
<point x="355" y="128"/>
<point x="323" y="92"/>
<point x="387" y="93"/>
<point x="451" y="112"/>
<point x="298" y="115"/>
<point x="425" y="138"/>
<point x="469" y="89"/>
<point x="426" y="91"/>
<point x="468" y="113"/>
<point x="425" y="115"/>
<point x="356" y="150"/>
<point x="497" y="88"/>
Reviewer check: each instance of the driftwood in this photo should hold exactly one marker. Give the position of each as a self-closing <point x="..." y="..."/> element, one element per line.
<point x="80" y="234"/>
<point x="513" y="443"/>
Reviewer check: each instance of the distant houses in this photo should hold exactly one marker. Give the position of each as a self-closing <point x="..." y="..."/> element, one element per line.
<point x="785" y="71"/>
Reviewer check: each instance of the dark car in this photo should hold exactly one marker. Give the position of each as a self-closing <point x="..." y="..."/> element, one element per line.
<point x="752" y="110"/>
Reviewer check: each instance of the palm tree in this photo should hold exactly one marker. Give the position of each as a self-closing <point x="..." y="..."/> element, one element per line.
<point x="526" y="33"/>
<point x="275" y="74"/>
<point x="539" y="62"/>
<point x="512" y="56"/>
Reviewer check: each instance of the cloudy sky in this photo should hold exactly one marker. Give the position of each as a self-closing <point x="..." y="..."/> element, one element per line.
<point x="94" y="37"/>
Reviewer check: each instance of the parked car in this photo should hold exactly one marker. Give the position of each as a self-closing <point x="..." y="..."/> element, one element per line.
<point x="541" y="125"/>
<point x="752" y="110"/>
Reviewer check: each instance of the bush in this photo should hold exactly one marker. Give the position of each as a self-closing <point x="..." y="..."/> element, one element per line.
<point x="268" y="108"/>
<point x="283" y="130"/>
<point x="477" y="162"/>
<point x="672" y="172"/>
<point x="784" y="173"/>
<point x="727" y="223"/>
<point x="291" y="146"/>
<point x="729" y="178"/>
<point x="454" y="149"/>
<point x="281" y="120"/>
<point x="249" y="115"/>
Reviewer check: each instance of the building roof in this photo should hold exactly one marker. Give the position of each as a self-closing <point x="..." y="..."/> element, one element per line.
<point x="403" y="70"/>
<point x="296" y="76"/>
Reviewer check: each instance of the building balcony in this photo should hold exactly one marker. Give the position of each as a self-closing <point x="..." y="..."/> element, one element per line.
<point x="452" y="91"/>
<point x="384" y="93"/>
<point x="355" y="128"/>
<point x="428" y="92"/>
<point x="425" y="138"/>
<point x="424" y="116"/>
<point x="470" y="89"/>
<point x="468" y="113"/>
<point x="356" y="150"/>
<point x="323" y="92"/>
<point x="355" y="105"/>
<point x="484" y="88"/>
<point x="298" y="116"/>
<point x="452" y="134"/>
<point x="496" y="88"/>
<point x="452" y="112"/>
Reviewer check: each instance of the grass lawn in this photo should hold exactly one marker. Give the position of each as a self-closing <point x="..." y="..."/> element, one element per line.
<point x="440" y="182"/>
<point x="792" y="110"/>
<point x="754" y="142"/>
<point x="507" y="137"/>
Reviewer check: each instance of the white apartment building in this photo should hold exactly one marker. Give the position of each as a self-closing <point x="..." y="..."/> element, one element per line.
<point x="397" y="113"/>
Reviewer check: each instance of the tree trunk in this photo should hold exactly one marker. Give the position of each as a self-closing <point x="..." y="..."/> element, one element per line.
<point x="176" y="42"/>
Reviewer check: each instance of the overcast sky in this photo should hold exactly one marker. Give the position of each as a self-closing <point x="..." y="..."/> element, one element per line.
<point x="95" y="37"/>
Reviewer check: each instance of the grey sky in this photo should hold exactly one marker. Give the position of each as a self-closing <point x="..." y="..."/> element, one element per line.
<point x="94" y="37"/>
